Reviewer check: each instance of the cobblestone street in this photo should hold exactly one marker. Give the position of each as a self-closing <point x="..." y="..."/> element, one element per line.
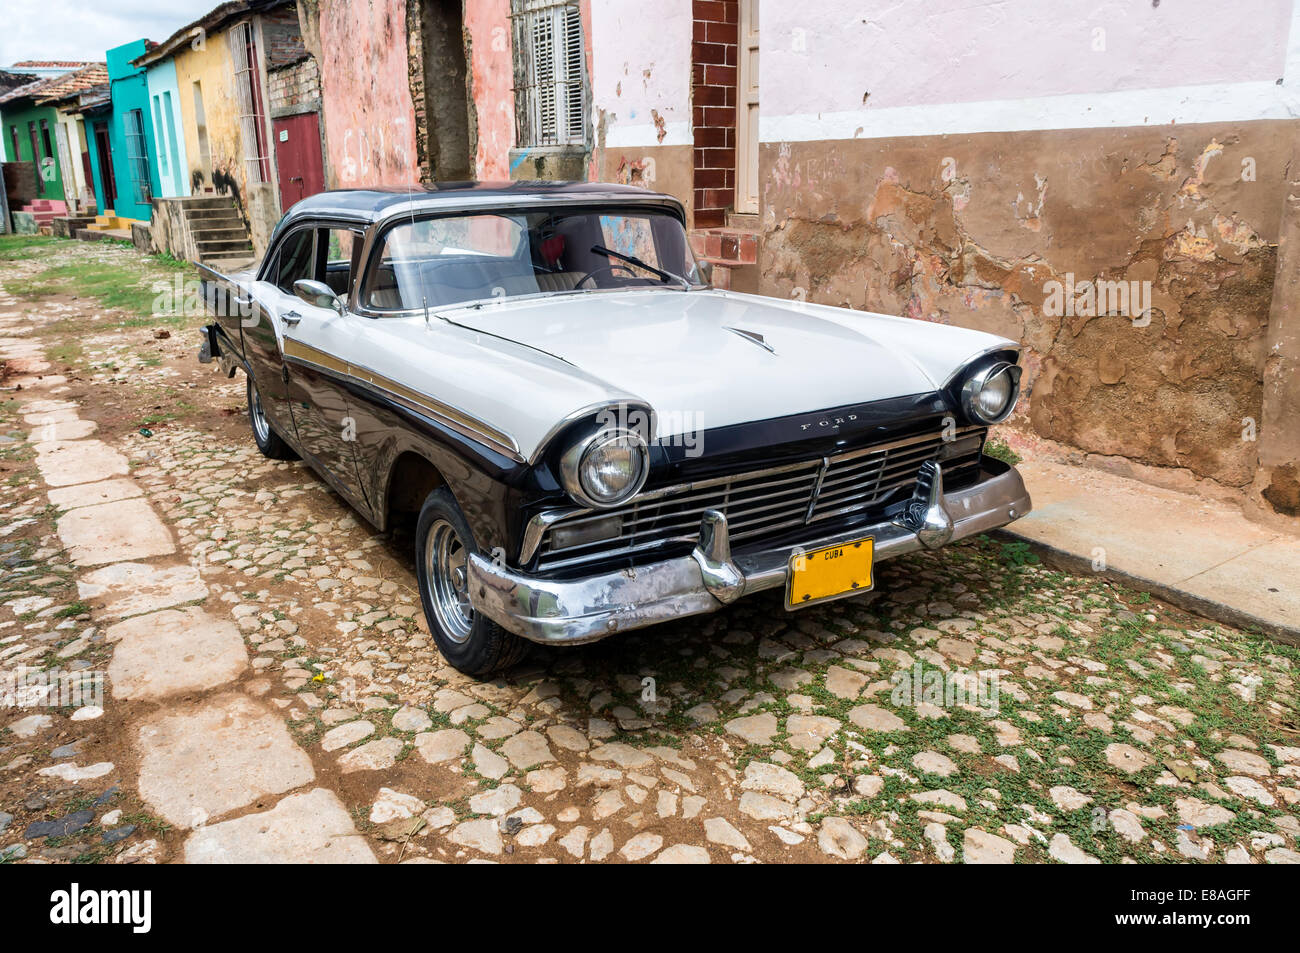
<point x="272" y="692"/>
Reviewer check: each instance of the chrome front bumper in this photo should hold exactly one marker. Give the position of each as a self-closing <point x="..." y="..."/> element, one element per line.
<point x="585" y="610"/>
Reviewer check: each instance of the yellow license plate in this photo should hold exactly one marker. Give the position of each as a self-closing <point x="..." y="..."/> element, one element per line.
<point x="829" y="573"/>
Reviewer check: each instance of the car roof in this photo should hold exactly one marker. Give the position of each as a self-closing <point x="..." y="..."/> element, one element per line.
<point x="374" y="204"/>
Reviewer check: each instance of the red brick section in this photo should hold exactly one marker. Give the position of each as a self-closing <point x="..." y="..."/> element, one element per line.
<point x="713" y="100"/>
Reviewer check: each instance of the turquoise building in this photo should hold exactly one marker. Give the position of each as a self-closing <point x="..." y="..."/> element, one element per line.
<point x="164" y="103"/>
<point x="130" y="128"/>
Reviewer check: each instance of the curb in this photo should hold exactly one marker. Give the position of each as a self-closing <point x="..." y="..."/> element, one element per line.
<point x="1211" y="609"/>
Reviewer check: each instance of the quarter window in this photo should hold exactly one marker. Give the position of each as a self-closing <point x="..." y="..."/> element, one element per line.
<point x="297" y="259"/>
<point x="341" y="248"/>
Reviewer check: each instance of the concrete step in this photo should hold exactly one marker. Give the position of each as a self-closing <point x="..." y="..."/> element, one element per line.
<point x="199" y="202"/>
<point x="733" y="276"/>
<point x="228" y="262"/>
<point x="732" y="245"/>
<point x="204" y="214"/>
<point x="220" y="234"/>
<point x="205" y="247"/>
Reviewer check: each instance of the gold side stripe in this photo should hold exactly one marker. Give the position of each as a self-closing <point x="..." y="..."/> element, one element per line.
<point x="452" y="416"/>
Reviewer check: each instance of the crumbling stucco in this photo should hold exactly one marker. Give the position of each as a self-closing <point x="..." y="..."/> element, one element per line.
<point x="972" y="230"/>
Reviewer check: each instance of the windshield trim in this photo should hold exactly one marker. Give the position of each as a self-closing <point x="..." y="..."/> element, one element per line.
<point x="379" y="234"/>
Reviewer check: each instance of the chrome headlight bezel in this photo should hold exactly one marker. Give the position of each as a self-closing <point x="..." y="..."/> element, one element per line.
<point x="574" y="460"/>
<point x="978" y="381"/>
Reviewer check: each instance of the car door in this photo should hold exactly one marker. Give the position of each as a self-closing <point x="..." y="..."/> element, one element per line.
<point x="318" y="342"/>
<point x="263" y="327"/>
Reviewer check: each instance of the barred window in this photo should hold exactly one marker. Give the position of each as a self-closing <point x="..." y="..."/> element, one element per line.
<point x="550" y="96"/>
<point x="137" y="156"/>
<point x="248" y="89"/>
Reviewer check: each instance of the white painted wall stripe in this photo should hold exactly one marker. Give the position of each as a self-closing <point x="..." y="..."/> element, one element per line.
<point x="1147" y="107"/>
<point x="1223" y="102"/>
<point x="645" y="135"/>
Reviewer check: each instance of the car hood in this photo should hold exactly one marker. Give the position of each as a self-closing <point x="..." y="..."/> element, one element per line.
<point x="713" y="359"/>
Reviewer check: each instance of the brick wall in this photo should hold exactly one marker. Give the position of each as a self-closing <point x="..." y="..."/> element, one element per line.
<point x="713" y="100"/>
<point x="295" y="85"/>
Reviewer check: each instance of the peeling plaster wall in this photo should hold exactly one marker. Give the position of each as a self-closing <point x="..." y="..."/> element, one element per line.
<point x="898" y="178"/>
<point x="209" y="65"/>
<point x="365" y="90"/>
<point x="641" y="95"/>
<point x="491" y="69"/>
<point x="877" y="225"/>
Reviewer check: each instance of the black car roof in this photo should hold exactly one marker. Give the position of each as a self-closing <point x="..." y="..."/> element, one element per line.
<point x="371" y="205"/>
<point x="374" y="203"/>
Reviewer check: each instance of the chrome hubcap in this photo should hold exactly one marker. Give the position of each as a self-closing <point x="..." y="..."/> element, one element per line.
<point x="260" y="425"/>
<point x="446" y="581"/>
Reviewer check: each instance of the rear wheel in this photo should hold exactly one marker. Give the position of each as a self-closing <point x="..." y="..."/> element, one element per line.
<point x="268" y="441"/>
<point x="470" y="641"/>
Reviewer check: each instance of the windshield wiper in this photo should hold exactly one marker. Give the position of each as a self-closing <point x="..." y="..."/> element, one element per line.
<point x="632" y="260"/>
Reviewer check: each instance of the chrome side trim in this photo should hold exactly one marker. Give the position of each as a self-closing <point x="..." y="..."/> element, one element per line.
<point x="453" y="417"/>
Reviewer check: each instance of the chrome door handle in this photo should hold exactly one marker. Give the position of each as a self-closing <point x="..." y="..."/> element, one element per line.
<point x="291" y="317"/>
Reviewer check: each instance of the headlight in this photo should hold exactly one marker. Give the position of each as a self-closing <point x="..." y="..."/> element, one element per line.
<point x="989" y="395"/>
<point x="605" y="469"/>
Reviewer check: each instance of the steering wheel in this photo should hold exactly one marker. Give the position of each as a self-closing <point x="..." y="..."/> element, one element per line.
<point x="611" y="268"/>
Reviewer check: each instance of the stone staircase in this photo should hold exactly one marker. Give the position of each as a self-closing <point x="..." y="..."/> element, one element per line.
<point x="217" y="233"/>
<point x="45" y="211"/>
<point x="108" y="225"/>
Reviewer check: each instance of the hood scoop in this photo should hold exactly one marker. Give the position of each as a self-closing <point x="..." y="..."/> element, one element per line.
<point x="753" y="337"/>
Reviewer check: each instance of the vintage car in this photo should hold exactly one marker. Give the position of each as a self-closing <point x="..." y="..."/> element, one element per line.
<point x="584" y="435"/>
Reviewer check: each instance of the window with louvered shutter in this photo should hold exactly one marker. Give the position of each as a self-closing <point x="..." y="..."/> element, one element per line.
<point x="550" y="93"/>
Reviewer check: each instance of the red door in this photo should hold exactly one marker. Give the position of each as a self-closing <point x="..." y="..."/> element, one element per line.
<point x="298" y="158"/>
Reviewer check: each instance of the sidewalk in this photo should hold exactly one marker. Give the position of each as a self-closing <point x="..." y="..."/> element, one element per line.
<point x="1195" y="553"/>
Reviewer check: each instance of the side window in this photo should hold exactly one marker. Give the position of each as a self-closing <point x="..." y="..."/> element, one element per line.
<point x="297" y="259"/>
<point x="341" y="250"/>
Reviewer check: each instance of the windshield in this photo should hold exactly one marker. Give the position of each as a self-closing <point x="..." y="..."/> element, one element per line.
<point x="466" y="257"/>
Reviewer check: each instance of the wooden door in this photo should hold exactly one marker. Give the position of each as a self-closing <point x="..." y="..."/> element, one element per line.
<point x="104" y="149"/>
<point x="298" y="162"/>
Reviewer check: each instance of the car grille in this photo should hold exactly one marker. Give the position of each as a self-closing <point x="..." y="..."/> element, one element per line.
<point x="764" y="503"/>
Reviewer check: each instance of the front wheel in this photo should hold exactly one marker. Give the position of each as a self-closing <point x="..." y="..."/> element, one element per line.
<point x="470" y="641"/>
<point x="268" y="441"/>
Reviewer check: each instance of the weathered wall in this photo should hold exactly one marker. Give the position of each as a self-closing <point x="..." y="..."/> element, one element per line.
<point x="221" y="169"/>
<point x="903" y="171"/>
<point x="491" y="85"/>
<point x="294" y="88"/>
<point x="48" y="169"/>
<point x="641" y="95"/>
<point x="366" y="90"/>
<point x="875" y="225"/>
<point x="173" y="166"/>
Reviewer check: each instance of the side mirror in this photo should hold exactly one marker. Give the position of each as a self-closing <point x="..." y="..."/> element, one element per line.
<point x="318" y="294"/>
<point x="705" y="269"/>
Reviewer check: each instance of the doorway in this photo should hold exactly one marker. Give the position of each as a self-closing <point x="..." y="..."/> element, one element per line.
<point x="203" y="174"/>
<point x="446" y="93"/>
<point x="104" y="154"/>
<point x="298" y="162"/>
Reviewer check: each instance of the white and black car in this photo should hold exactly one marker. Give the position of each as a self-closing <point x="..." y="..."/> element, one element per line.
<point x="586" y="436"/>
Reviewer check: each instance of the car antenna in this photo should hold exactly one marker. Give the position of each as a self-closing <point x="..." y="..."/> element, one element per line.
<point x="424" y="297"/>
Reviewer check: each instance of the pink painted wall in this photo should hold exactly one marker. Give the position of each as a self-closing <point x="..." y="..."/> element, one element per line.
<point x="367" y="94"/>
<point x="825" y="57"/>
<point x="487" y="24"/>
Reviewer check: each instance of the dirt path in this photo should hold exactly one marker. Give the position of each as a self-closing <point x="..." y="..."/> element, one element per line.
<point x="272" y="692"/>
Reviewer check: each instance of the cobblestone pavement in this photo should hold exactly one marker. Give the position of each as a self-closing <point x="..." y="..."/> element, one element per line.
<point x="273" y="693"/>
